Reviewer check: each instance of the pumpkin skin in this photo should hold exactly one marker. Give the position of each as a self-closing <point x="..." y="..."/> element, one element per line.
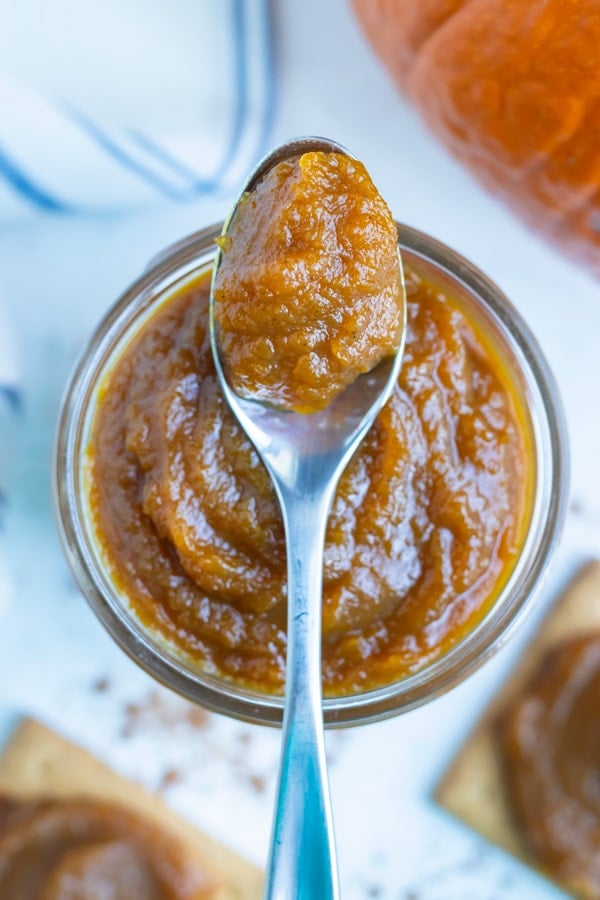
<point x="512" y="87"/>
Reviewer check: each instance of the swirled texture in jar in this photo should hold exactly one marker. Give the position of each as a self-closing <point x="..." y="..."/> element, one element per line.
<point x="309" y="292"/>
<point x="82" y="849"/>
<point x="551" y="749"/>
<point x="424" y="531"/>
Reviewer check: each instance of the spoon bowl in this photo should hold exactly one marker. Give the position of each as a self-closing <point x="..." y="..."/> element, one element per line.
<point x="305" y="454"/>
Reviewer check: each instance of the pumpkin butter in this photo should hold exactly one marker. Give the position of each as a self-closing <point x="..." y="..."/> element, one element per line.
<point x="428" y="520"/>
<point x="550" y="740"/>
<point x="67" y="849"/>
<point x="308" y="293"/>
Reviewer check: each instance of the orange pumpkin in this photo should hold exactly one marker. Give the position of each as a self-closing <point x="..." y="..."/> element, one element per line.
<point x="513" y="89"/>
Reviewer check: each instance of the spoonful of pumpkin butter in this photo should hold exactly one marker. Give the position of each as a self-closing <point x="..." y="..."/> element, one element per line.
<point x="307" y="319"/>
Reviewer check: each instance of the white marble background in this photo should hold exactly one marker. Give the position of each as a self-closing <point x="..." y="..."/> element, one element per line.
<point x="58" y="276"/>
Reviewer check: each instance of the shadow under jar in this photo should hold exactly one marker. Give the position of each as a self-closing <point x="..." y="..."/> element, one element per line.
<point x="380" y="659"/>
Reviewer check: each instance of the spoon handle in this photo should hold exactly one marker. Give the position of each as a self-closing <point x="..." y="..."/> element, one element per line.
<point x="302" y="863"/>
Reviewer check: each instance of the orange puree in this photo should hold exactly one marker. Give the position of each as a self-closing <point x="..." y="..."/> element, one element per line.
<point x="550" y="741"/>
<point x="83" y="849"/>
<point x="308" y="294"/>
<point x="425" y="529"/>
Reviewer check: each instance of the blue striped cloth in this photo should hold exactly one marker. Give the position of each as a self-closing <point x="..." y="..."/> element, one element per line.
<point x="112" y="106"/>
<point x="10" y="408"/>
<point x="57" y="155"/>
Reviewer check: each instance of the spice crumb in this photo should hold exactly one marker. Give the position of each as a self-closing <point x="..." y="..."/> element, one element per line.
<point x="169" y="778"/>
<point x="258" y="782"/>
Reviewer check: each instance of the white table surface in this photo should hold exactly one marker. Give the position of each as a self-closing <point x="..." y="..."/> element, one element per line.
<point x="59" y="275"/>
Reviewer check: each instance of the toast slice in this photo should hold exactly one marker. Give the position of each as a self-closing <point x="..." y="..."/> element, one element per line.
<point x="38" y="762"/>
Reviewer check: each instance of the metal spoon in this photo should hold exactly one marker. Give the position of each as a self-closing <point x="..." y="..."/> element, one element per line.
<point x="305" y="455"/>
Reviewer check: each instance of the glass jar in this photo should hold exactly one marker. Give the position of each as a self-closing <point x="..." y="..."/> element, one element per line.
<point x="484" y="302"/>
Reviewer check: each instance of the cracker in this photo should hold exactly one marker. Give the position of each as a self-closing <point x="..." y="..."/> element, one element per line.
<point x="473" y="788"/>
<point x="37" y="761"/>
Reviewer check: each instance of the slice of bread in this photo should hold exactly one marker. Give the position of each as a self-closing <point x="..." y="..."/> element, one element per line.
<point x="473" y="787"/>
<point x="37" y="762"/>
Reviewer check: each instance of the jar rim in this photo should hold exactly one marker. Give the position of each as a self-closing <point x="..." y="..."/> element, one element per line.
<point x="155" y="655"/>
